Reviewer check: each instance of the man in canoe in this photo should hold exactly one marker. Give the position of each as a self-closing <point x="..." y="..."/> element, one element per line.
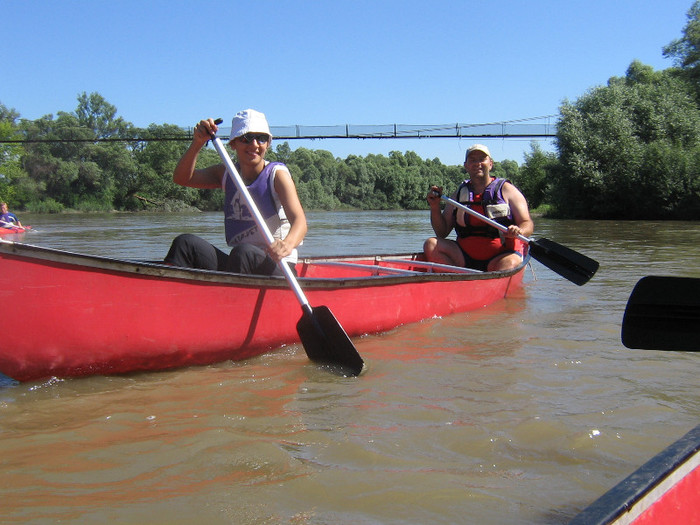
<point x="8" y="219"/>
<point x="479" y="245"/>
<point x="271" y="187"/>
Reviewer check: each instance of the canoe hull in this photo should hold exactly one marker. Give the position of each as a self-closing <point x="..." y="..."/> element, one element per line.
<point x="12" y="234"/>
<point x="93" y="315"/>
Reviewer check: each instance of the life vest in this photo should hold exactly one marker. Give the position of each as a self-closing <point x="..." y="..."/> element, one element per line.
<point x="239" y="221"/>
<point x="494" y="207"/>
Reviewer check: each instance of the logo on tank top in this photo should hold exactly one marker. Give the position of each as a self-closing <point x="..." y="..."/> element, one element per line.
<point x="239" y="209"/>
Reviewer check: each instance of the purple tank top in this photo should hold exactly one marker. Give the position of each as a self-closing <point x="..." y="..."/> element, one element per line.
<point x="239" y="222"/>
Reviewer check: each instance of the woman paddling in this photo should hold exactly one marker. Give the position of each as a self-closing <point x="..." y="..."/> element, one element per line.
<point x="271" y="187"/>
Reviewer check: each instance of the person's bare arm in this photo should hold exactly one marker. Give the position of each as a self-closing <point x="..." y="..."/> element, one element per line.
<point x="441" y="221"/>
<point x="521" y="214"/>
<point x="185" y="173"/>
<point x="285" y="188"/>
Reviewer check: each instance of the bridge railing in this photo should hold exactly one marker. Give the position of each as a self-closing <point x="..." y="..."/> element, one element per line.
<point x="537" y="127"/>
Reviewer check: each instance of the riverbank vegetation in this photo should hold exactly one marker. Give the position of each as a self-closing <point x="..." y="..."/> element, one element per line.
<point x="627" y="150"/>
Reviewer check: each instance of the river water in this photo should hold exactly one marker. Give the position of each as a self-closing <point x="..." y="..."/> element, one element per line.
<point x="524" y="412"/>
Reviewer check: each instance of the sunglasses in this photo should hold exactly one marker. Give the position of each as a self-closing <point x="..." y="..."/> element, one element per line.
<point x="250" y="137"/>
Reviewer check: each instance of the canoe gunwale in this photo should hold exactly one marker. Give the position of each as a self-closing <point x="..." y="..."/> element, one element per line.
<point x="196" y="276"/>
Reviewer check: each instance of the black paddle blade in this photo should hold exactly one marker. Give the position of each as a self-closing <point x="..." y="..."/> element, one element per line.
<point x="663" y="313"/>
<point x="326" y="342"/>
<point x="568" y="263"/>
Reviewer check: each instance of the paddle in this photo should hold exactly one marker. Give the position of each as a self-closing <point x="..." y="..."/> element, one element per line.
<point x="9" y="225"/>
<point x="568" y="263"/>
<point x="323" y="338"/>
<point x="663" y="313"/>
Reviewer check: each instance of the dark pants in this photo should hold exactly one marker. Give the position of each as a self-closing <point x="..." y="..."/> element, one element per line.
<point x="191" y="251"/>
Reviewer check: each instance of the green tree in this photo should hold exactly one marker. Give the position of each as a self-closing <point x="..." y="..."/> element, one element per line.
<point x="68" y="162"/>
<point x="152" y="183"/>
<point x="535" y="174"/>
<point x="281" y="153"/>
<point x="95" y="113"/>
<point x="506" y="169"/>
<point x="686" y="50"/>
<point x="607" y="139"/>
<point x="15" y="185"/>
<point x="70" y="168"/>
<point x="92" y="159"/>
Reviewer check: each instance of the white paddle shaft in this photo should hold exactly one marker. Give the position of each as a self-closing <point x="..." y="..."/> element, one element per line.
<point x="482" y="217"/>
<point x="259" y="220"/>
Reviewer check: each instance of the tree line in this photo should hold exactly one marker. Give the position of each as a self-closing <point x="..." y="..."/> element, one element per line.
<point x="629" y="149"/>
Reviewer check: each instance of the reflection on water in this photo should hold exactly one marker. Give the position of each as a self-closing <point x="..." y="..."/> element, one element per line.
<point x="523" y="412"/>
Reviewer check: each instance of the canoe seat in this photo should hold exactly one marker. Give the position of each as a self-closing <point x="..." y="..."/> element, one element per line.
<point x="430" y="266"/>
<point x="372" y="268"/>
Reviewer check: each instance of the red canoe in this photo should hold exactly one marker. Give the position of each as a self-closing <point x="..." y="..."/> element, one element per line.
<point x="14" y="233"/>
<point x="98" y="315"/>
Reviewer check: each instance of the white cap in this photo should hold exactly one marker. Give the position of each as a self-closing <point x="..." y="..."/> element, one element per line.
<point x="249" y="121"/>
<point x="477" y="147"/>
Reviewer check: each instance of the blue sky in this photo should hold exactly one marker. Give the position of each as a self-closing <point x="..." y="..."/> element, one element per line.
<point x="331" y="62"/>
